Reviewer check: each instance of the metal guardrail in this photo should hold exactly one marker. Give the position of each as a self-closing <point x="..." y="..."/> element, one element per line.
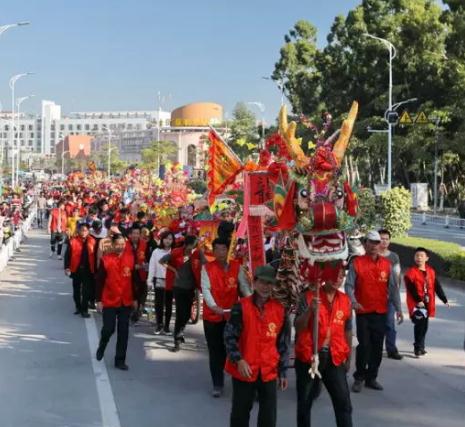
<point x="445" y="221"/>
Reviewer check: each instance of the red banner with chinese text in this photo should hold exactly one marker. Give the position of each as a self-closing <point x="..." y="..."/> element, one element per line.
<point x="255" y="239"/>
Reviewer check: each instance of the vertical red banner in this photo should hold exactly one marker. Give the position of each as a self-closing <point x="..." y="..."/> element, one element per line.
<point x="259" y="188"/>
<point x="256" y="246"/>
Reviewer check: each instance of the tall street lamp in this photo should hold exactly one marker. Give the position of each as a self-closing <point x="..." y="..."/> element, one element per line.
<point x="63" y="159"/>
<point x="109" y="150"/>
<point x="4" y="28"/>
<point x="261" y="107"/>
<point x="280" y="85"/>
<point x="392" y="55"/>
<point x="19" y="101"/>
<point x="13" y="81"/>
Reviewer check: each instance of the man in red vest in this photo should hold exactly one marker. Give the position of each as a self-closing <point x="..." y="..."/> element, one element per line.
<point x="80" y="266"/>
<point x="370" y="284"/>
<point x="422" y="286"/>
<point x="334" y="348"/>
<point x="222" y="282"/>
<point x="57" y="227"/>
<point x="257" y="340"/>
<point x="138" y="247"/>
<point x="116" y="297"/>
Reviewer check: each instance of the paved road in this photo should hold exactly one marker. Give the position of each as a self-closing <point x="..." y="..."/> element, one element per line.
<point x="50" y="379"/>
<point x="438" y="232"/>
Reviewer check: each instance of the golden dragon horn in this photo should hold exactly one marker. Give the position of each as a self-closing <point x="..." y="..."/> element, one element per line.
<point x="287" y="131"/>
<point x="347" y="127"/>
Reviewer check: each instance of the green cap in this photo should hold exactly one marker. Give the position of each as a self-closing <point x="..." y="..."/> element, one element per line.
<point x="266" y="273"/>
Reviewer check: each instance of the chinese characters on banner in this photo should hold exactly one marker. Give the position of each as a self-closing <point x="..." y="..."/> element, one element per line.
<point x="259" y="186"/>
<point x="255" y="237"/>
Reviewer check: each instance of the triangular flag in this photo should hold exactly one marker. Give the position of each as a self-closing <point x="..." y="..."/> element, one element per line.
<point x="223" y="164"/>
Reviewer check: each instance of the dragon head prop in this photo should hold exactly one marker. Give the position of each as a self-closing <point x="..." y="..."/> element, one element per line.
<point x="311" y="197"/>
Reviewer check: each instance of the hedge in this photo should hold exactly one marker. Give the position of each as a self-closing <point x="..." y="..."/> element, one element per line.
<point x="446" y="258"/>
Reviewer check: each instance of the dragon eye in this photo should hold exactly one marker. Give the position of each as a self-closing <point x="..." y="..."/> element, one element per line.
<point x="304" y="193"/>
<point x="339" y="194"/>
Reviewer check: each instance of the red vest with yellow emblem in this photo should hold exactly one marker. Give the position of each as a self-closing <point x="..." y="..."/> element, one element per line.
<point x="139" y="255"/>
<point x="223" y="287"/>
<point x="76" y="244"/>
<point x="56" y="215"/>
<point x="117" y="289"/>
<point x="258" y="340"/>
<point x="424" y="286"/>
<point x="333" y="317"/>
<point x="372" y="283"/>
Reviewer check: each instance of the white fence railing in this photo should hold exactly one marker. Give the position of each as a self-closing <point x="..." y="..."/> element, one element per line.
<point x="14" y="242"/>
<point x="440" y="220"/>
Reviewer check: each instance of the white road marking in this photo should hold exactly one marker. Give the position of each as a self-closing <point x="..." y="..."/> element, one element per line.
<point x="110" y="417"/>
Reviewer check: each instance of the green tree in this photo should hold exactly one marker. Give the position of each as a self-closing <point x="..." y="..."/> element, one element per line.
<point x="244" y="137"/>
<point x="159" y="153"/>
<point x="298" y="70"/>
<point x="100" y="157"/>
<point x="395" y="206"/>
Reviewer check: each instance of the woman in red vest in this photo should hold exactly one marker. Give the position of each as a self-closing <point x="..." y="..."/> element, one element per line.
<point x="222" y="282"/>
<point x="138" y="247"/>
<point x="116" y="297"/>
<point x="334" y="348"/>
<point x="422" y="286"/>
<point x="257" y="340"/>
<point x="80" y="266"/>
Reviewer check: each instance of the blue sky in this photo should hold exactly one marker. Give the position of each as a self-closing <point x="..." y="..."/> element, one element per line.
<point x="92" y="55"/>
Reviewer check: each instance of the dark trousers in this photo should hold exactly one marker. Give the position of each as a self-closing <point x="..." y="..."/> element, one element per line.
<point x="41" y="217"/>
<point x="82" y="284"/>
<point x="419" y="331"/>
<point x="57" y="239"/>
<point x="110" y="316"/>
<point x="184" y="299"/>
<point x="163" y="306"/>
<point x="214" y="332"/>
<point x="371" y="329"/>
<point x="335" y="381"/>
<point x="243" y="398"/>
<point x="142" y="290"/>
<point x="391" y="329"/>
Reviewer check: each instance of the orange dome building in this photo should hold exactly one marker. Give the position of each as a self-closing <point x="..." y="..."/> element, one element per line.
<point x="198" y="114"/>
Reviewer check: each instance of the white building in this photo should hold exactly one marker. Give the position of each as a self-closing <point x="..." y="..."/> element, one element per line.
<point x="40" y="135"/>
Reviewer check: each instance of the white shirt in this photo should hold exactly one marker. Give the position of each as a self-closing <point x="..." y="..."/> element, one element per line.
<point x="156" y="270"/>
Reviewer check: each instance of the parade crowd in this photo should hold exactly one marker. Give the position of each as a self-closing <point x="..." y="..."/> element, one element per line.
<point x="115" y="249"/>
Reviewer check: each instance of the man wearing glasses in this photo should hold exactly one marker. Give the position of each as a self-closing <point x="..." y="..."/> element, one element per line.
<point x="370" y="284"/>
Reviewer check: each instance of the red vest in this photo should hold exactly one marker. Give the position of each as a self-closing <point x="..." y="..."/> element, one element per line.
<point x="139" y="256"/>
<point x="76" y="245"/>
<point x="224" y="288"/>
<point x="54" y="223"/>
<point x="176" y="260"/>
<point x="117" y="289"/>
<point x="258" y="340"/>
<point x="333" y="317"/>
<point x="415" y="275"/>
<point x="372" y="283"/>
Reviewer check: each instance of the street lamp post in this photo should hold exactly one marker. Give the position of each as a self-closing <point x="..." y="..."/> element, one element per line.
<point x="63" y="159"/>
<point x="392" y="55"/>
<point x="4" y="28"/>
<point x="280" y="87"/>
<point x="19" y="101"/>
<point x="109" y="151"/>
<point x="13" y="81"/>
<point x="261" y="107"/>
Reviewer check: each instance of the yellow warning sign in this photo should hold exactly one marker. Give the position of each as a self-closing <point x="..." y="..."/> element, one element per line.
<point x="422" y="119"/>
<point x="405" y="119"/>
